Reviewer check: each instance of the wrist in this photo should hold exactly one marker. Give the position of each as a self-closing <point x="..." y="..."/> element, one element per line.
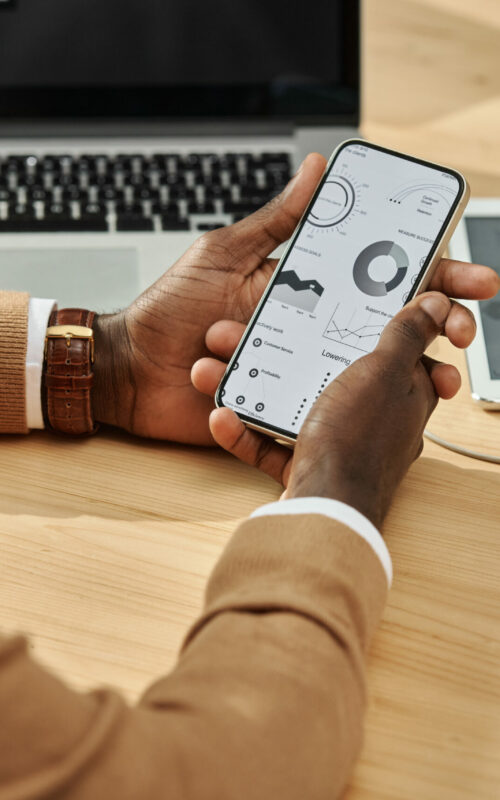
<point x="337" y="485"/>
<point x="113" y="389"/>
<point x="350" y="498"/>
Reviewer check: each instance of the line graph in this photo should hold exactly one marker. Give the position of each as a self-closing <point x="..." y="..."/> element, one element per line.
<point x="355" y="329"/>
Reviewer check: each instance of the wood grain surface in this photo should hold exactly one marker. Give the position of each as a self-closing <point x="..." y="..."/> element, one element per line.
<point x="106" y="544"/>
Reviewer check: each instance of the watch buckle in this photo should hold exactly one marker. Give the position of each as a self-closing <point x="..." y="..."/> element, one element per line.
<point x="69" y="332"/>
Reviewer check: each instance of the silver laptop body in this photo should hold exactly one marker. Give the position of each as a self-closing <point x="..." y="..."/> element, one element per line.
<point x="122" y="137"/>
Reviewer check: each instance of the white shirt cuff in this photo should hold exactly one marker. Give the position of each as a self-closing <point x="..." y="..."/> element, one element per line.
<point x="338" y="511"/>
<point x="39" y="311"/>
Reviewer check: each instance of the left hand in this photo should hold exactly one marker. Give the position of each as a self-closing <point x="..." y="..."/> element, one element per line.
<point x="144" y="354"/>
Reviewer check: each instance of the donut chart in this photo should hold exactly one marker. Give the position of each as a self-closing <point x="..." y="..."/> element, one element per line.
<point x="362" y="279"/>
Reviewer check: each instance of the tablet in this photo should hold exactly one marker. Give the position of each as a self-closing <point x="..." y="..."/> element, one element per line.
<point x="477" y="239"/>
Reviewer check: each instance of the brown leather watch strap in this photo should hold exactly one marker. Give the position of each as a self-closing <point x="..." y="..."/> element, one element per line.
<point x="68" y="377"/>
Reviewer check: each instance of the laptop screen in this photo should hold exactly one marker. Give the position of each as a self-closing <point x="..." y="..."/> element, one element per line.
<point x="180" y="59"/>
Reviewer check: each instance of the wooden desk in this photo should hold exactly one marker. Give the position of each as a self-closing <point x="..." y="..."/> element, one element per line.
<point x="104" y="566"/>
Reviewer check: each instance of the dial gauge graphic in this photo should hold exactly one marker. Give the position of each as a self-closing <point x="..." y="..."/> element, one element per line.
<point x="334" y="203"/>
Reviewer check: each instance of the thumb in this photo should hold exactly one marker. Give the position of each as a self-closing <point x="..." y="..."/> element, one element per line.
<point x="411" y="331"/>
<point x="275" y="222"/>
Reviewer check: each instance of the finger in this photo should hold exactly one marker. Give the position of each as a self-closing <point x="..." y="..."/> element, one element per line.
<point x="261" y="232"/>
<point x="249" y="446"/>
<point x="460" y="327"/>
<point x="445" y="377"/>
<point x="468" y="281"/>
<point x="411" y="331"/>
<point x="206" y="374"/>
<point x="223" y="337"/>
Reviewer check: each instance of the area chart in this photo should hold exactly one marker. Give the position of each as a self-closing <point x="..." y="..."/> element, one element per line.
<point x="290" y="289"/>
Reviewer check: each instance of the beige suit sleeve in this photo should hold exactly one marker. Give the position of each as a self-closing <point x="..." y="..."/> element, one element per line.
<point x="266" y="700"/>
<point x="13" y="344"/>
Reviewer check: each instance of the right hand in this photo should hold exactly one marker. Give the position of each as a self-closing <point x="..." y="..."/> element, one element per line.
<point x="366" y="428"/>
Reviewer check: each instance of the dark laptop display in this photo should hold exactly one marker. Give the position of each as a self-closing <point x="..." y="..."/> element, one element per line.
<point x="183" y="59"/>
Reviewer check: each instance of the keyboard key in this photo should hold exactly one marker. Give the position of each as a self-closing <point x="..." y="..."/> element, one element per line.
<point x="170" y="209"/>
<point x="100" y="179"/>
<point x="173" y="179"/>
<point x="109" y="192"/>
<point x="89" y="223"/>
<point x="133" y="222"/>
<point x="65" y="162"/>
<point x="137" y="179"/>
<point x="93" y="210"/>
<point x="57" y="210"/>
<point x="211" y="160"/>
<point x="68" y="179"/>
<point x="21" y="212"/>
<point x="129" y="209"/>
<point x="181" y="193"/>
<point x="50" y="164"/>
<point x="156" y="163"/>
<point x="174" y="224"/>
<point x="201" y="208"/>
<point x="192" y="160"/>
<point x="147" y="194"/>
<point x="86" y="162"/>
<point x="72" y="192"/>
<point x="217" y="193"/>
<point x="254" y="194"/>
<point x="36" y="194"/>
<point x="211" y="179"/>
<point x="248" y="181"/>
<point x="243" y="207"/>
<point x="29" y="180"/>
<point x="210" y="226"/>
<point x="126" y="161"/>
<point x="275" y="158"/>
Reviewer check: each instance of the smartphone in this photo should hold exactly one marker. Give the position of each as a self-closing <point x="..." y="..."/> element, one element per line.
<point x="369" y="240"/>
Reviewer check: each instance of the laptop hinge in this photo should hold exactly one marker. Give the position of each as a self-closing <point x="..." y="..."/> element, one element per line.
<point x="85" y="128"/>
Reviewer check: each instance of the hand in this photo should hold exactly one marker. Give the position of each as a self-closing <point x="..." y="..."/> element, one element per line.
<point x="366" y="428"/>
<point x="144" y="354"/>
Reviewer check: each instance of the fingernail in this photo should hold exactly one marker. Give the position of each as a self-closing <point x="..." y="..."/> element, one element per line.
<point x="437" y="307"/>
<point x="291" y="183"/>
<point x="300" y="168"/>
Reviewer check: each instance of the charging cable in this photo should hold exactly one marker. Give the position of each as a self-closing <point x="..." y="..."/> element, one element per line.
<point x="464" y="451"/>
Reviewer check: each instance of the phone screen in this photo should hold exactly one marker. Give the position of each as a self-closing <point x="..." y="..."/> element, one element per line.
<point x="359" y="254"/>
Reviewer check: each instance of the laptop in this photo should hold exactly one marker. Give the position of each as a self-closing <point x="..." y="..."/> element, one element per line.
<point x="128" y="128"/>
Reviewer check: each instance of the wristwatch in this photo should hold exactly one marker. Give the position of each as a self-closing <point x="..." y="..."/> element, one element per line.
<point x="68" y="376"/>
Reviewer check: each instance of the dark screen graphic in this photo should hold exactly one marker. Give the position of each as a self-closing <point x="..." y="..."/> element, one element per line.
<point x="484" y="240"/>
<point x="148" y="42"/>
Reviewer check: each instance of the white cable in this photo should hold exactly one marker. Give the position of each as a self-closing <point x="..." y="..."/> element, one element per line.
<point x="462" y="450"/>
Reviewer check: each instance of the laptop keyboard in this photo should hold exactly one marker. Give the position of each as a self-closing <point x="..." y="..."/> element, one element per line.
<point x="134" y="192"/>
